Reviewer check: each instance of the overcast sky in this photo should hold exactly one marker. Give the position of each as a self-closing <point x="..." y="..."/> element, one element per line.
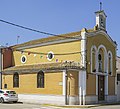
<point x="55" y="16"/>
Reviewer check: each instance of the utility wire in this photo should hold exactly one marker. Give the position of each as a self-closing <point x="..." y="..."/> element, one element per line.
<point x="34" y="30"/>
<point x="30" y="52"/>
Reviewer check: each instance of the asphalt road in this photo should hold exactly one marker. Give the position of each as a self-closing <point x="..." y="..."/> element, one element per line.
<point x="33" y="106"/>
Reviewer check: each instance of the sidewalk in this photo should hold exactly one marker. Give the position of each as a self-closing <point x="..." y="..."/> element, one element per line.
<point x="76" y="106"/>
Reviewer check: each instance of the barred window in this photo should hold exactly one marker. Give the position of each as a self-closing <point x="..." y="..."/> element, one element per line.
<point x="16" y="80"/>
<point x="40" y="79"/>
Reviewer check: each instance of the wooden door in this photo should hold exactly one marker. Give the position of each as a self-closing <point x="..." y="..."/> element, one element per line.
<point x="101" y="91"/>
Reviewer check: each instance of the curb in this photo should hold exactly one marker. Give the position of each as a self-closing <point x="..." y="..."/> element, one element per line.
<point x="73" y="106"/>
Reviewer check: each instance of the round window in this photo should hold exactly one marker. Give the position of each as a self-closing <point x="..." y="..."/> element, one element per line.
<point x="50" y="56"/>
<point x="23" y="59"/>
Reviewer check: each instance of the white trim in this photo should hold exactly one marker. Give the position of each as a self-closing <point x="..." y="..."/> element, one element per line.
<point x="77" y="37"/>
<point x="96" y="84"/>
<point x="111" y="62"/>
<point x="82" y="87"/>
<point x="83" y="49"/>
<point x="105" y="57"/>
<point x="42" y="99"/>
<point x="92" y="34"/>
<point x="106" y="85"/>
<point x="93" y="47"/>
<point x="25" y="59"/>
<point x="100" y="73"/>
<point x="48" y="56"/>
<point x="111" y="98"/>
<point x="93" y="99"/>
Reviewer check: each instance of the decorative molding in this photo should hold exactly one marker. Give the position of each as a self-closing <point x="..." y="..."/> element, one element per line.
<point x="94" y="47"/>
<point x="78" y="37"/>
<point x="92" y="34"/>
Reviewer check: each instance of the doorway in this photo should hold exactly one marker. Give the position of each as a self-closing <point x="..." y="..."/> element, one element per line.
<point x="101" y="87"/>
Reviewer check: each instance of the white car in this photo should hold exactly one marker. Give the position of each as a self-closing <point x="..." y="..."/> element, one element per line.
<point x="8" y="96"/>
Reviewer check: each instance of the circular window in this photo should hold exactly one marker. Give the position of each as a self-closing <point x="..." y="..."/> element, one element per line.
<point x="50" y="56"/>
<point x="23" y="59"/>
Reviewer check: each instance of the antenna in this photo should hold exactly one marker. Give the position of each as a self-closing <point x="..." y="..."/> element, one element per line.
<point x="100" y="6"/>
<point x="6" y="44"/>
<point x="18" y="38"/>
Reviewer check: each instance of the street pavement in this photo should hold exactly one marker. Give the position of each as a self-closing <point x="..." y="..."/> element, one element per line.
<point x="38" y="106"/>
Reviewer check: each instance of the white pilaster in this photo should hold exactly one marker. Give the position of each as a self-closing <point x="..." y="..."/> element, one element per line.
<point x="82" y="86"/>
<point x="96" y="84"/>
<point x="83" y="48"/>
<point x="106" y="85"/>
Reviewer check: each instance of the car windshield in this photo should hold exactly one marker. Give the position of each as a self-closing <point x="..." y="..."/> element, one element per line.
<point x="11" y="92"/>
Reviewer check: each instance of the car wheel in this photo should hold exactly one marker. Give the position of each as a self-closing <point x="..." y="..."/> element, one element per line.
<point x="1" y="100"/>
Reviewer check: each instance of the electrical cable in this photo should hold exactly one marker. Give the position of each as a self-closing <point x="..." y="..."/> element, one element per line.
<point x="30" y="52"/>
<point x="34" y="30"/>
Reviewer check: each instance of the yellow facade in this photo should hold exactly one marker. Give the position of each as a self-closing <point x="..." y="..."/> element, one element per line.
<point x="91" y="85"/>
<point x="80" y="66"/>
<point x="28" y="83"/>
<point x="72" y="83"/>
<point x="65" y="52"/>
<point x="98" y="40"/>
<point x="61" y="48"/>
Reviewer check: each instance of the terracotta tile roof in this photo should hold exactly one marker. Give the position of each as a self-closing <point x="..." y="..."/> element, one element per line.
<point x="71" y="35"/>
<point x="45" y="67"/>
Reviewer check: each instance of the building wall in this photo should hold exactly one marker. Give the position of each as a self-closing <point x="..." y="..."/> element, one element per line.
<point x="111" y="85"/>
<point x="98" y="40"/>
<point x="7" y="57"/>
<point x="91" y="85"/>
<point x="40" y="58"/>
<point x="28" y="83"/>
<point x="72" y="86"/>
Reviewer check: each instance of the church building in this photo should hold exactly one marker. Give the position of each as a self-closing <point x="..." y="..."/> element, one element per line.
<point x="75" y="68"/>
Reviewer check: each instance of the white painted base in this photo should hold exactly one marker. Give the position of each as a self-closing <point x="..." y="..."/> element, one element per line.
<point x="42" y="99"/>
<point x="60" y="99"/>
<point x="73" y="100"/>
<point x="111" y="98"/>
<point x="91" y="99"/>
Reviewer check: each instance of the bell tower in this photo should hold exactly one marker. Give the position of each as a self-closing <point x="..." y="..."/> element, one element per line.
<point x="101" y="18"/>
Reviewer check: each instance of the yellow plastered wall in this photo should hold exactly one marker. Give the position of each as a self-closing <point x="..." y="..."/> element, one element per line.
<point x="72" y="86"/>
<point x="97" y="41"/>
<point x="91" y="84"/>
<point x="111" y="85"/>
<point x="56" y="49"/>
<point x="28" y="83"/>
